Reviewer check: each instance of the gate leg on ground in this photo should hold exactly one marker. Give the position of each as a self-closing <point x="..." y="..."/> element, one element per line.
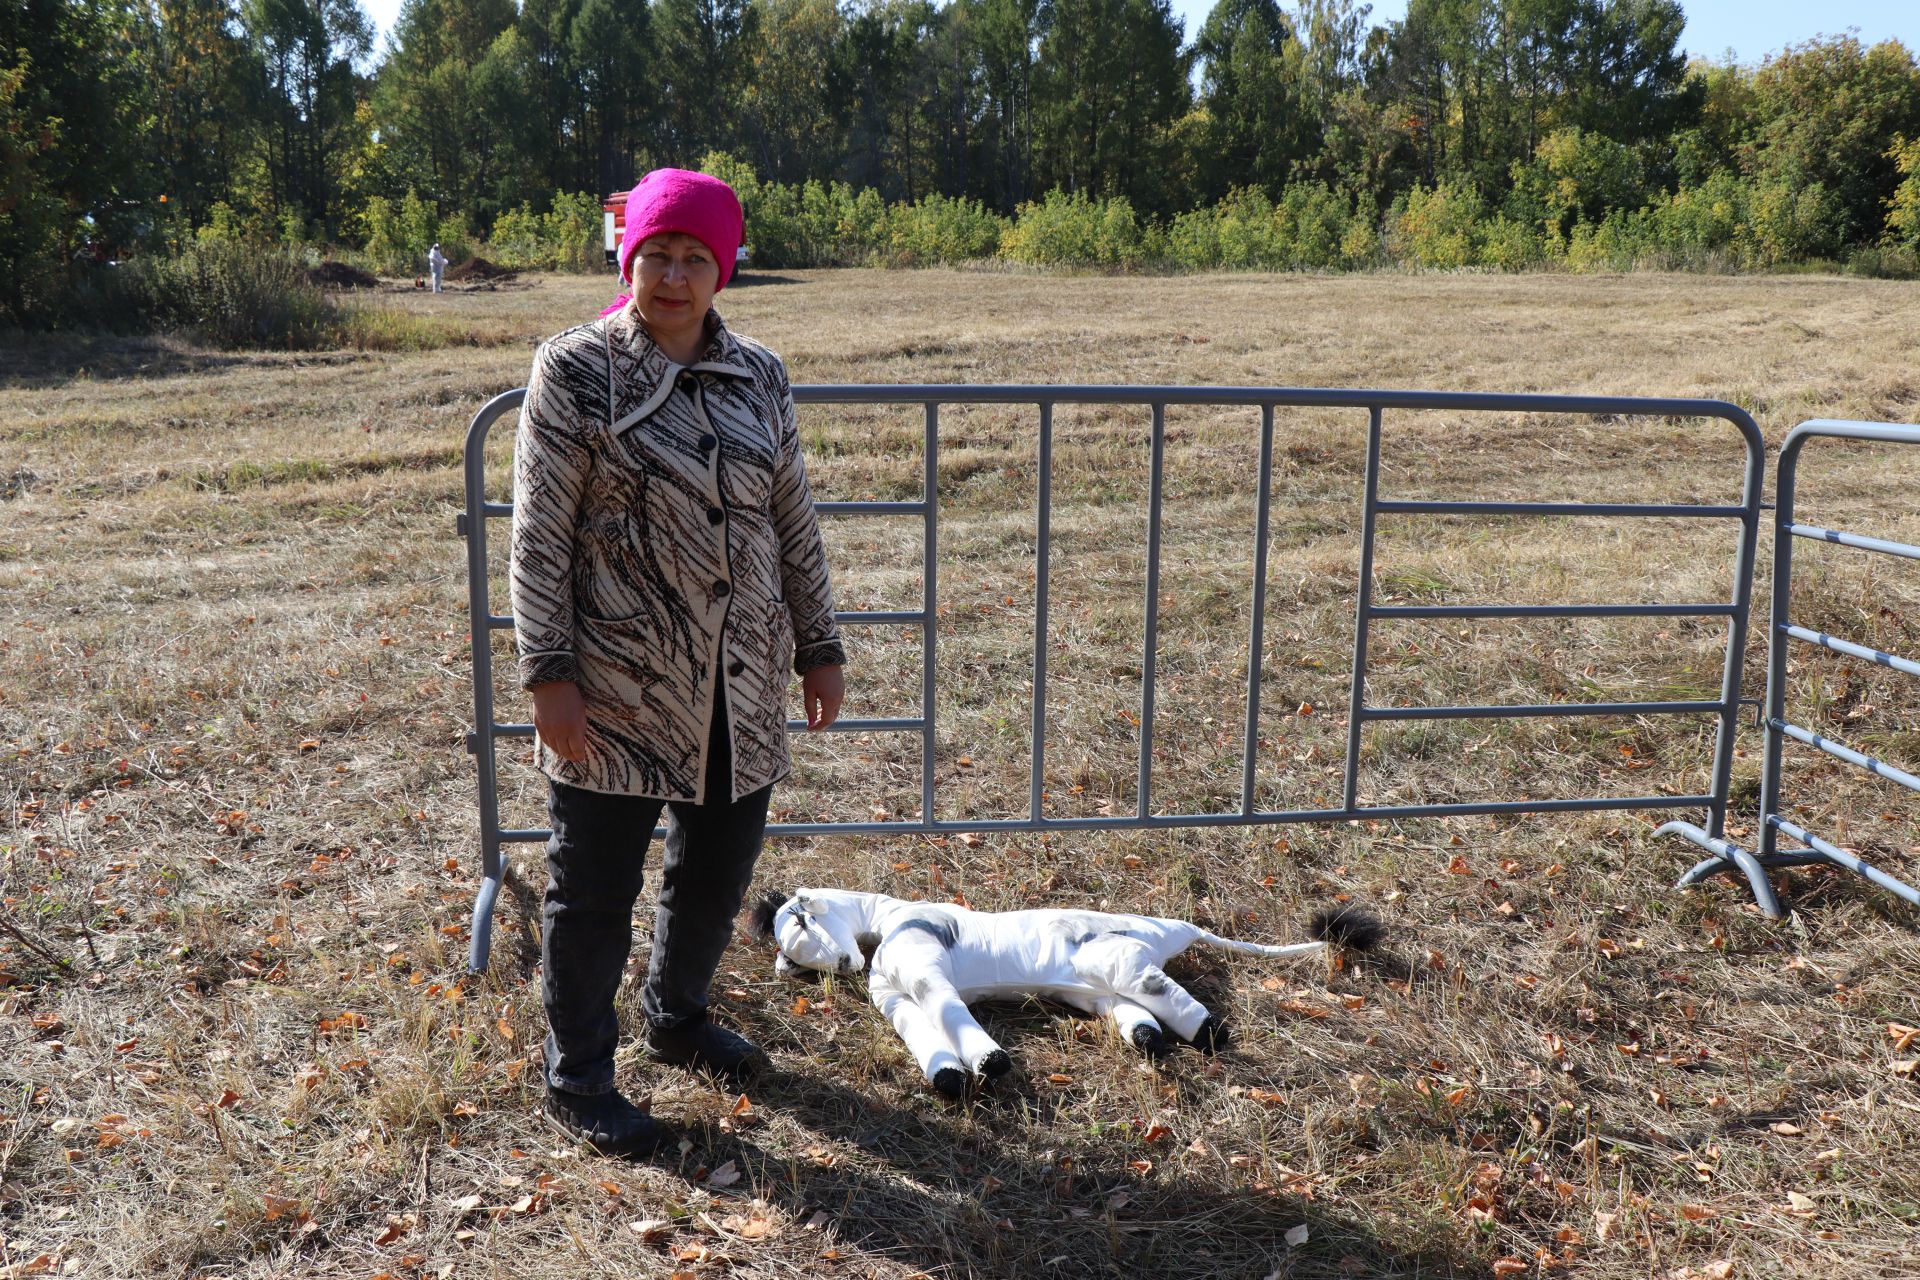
<point x="1743" y="517"/>
<point x="1729" y="858"/>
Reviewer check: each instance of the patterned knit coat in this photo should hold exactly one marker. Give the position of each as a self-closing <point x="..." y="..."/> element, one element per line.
<point x="663" y="531"/>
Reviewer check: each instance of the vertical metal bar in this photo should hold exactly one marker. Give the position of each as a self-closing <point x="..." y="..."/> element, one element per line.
<point x="1722" y="782"/>
<point x="1781" y="602"/>
<point x="929" y="603"/>
<point x="1151" y="644"/>
<point x="1255" y="650"/>
<point x="1362" y="612"/>
<point x="1043" y="542"/>
<point x="492" y="870"/>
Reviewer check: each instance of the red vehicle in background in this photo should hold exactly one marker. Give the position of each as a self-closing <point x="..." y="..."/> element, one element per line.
<point x="613" y="213"/>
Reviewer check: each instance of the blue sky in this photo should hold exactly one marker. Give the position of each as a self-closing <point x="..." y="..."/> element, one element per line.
<point x="1751" y="28"/>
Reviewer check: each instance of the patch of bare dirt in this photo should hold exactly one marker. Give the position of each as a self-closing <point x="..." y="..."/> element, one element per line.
<point x="341" y="275"/>
<point x="481" y="269"/>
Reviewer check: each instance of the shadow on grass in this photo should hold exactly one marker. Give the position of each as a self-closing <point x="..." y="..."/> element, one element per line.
<point x="742" y="279"/>
<point x="34" y="362"/>
<point x="951" y="1192"/>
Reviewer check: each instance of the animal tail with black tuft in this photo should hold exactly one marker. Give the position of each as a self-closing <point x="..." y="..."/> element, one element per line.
<point x="1340" y="927"/>
<point x="761" y="921"/>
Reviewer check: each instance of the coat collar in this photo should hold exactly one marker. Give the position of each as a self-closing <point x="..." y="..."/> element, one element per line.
<point x="656" y="373"/>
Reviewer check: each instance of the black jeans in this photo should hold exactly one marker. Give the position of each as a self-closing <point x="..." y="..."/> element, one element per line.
<point x="594" y="864"/>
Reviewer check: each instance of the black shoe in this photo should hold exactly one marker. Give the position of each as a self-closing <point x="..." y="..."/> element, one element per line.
<point x="606" y="1122"/>
<point x="702" y="1045"/>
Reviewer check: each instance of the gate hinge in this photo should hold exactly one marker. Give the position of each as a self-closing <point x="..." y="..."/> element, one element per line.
<point x="1759" y="706"/>
<point x="473" y="744"/>
<point x="460" y="524"/>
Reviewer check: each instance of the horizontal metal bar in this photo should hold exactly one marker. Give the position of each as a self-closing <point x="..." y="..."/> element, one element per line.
<point x="1856" y="540"/>
<point x="845" y="725"/>
<point x="1543" y="709"/>
<point x="1299" y="397"/>
<point x="871" y="617"/>
<point x="915" y="507"/>
<point x="1553" y="611"/>
<point x="1158" y="822"/>
<point x="522" y="836"/>
<point x="1407" y="507"/>
<point x="875" y="725"/>
<point x="1826" y="641"/>
<point x="882" y="617"/>
<point x="1131" y="822"/>
<point x="1847" y="429"/>
<point x="1878" y="768"/>
<point x="1833" y="853"/>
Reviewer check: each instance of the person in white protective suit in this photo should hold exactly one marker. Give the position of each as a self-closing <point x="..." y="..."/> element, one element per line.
<point x="436" y="265"/>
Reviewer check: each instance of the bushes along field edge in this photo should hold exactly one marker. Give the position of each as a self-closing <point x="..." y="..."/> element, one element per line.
<point x="238" y="285"/>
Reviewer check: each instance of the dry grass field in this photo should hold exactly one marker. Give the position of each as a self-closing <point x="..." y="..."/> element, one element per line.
<point x="238" y="839"/>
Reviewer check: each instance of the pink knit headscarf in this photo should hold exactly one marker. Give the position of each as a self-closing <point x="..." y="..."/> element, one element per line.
<point x="694" y="204"/>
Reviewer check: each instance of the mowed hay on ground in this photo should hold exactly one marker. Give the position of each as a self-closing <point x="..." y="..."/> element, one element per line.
<point x="239" y="840"/>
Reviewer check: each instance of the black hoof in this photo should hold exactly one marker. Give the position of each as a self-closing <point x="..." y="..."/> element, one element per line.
<point x="950" y="1082"/>
<point x="996" y="1064"/>
<point x="1149" y="1040"/>
<point x="1213" y="1036"/>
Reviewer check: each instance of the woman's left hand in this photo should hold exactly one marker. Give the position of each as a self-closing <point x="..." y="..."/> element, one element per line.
<point x="821" y="690"/>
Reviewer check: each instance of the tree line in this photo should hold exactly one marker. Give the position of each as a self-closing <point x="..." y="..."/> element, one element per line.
<point x="1502" y="131"/>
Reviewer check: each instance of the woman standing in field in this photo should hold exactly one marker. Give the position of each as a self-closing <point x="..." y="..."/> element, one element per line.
<point x="667" y="569"/>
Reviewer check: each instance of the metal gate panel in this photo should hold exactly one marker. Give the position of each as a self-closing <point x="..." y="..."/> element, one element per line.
<point x="1375" y="403"/>
<point x="1729" y="858"/>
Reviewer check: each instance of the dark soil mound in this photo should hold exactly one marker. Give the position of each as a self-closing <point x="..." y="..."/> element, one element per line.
<point x="480" y="269"/>
<point x="338" y="275"/>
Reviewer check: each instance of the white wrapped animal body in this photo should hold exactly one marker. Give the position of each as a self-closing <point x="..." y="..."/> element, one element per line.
<point x="930" y="959"/>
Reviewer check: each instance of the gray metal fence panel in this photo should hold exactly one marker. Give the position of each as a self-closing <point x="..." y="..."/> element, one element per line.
<point x="1729" y="858"/>
<point x="1375" y="403"/>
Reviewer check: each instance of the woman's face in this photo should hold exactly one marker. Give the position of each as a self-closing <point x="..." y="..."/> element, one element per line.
<point x="674" y="279"/>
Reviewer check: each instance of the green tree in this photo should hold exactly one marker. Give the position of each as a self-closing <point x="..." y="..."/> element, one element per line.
<point x="1903" y="207"/>
<point x="76" y="174"/>
<point x="1111" y="82"/>
<point x="1007" y="31"/>
<point x="795" y="101"/>
<point x="1257" y="126"/>
<point x="206" y="106"/>
<point x="609" y="39"/>
<point x="1624" y="75"/>
<point x="1575" y="176"/>
<point x="1483" y="81"/>
<point x="450" y="101"/>
<point x="551" y="93"/>
<point x="1827" y="113"/>
<point x="700" y="53"/>
<point x="877" y="58"/>
<point x="1714" y="142"/>
<point x="306" y="52"/>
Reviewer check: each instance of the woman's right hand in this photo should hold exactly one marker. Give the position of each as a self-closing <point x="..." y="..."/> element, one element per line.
<point x="560" y="718"/>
